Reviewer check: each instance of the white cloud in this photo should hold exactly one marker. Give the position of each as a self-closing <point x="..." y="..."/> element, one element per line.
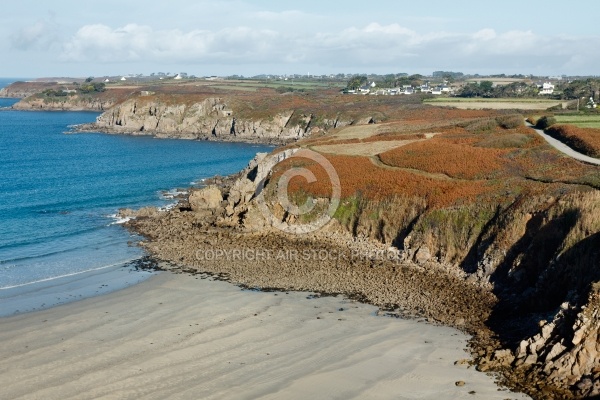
<point x="141" y="43"/>
<point x="373" y="45"/>
<point x="39" y="36"/>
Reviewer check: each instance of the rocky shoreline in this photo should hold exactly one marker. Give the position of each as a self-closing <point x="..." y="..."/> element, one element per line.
<point x="96" y="128"/>
<point x="218" y="230"/>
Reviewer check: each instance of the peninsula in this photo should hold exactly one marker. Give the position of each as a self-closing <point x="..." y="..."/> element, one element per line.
<point x="465" y="217"/>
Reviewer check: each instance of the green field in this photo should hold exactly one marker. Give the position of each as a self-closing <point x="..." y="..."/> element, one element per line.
<point x="581" y="121"/>
<point x="234" y="87"/>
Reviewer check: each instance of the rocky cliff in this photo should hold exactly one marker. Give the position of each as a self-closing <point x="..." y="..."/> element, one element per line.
<point x="66" y="103"/>
<point x="20" y="90"/>
<point x="536" y="255"/>
<point x="210" y="119"/>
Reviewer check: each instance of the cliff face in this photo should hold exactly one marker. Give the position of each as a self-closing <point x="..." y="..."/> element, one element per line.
<point x="538" y="255"/>
<point x="67" y="103"/>
<point x="520" y="272"/>
<point x="20" y="90"/>
<point x="211" y="118"/>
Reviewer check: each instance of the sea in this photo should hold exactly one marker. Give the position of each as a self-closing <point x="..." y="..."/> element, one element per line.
<point x="60" y="238"/>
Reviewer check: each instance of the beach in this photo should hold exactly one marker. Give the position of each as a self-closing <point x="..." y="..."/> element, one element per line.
<point x="180" y="336"/>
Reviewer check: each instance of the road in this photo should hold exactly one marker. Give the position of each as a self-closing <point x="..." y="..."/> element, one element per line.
<point x="563" y="148"/>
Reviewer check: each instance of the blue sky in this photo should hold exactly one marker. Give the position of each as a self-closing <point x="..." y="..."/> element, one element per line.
<point x="247" y="37"/>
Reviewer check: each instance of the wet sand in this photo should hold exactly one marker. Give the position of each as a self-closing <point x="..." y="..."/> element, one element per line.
<point x="178" y="336"/>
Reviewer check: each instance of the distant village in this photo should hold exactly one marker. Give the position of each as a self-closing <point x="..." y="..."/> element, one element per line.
<point x="439" y="83"/>
<point x="545" y="88"/>
<point x="372" y="89"/>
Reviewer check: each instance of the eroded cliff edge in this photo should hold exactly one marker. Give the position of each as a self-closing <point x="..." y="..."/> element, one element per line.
<point x="280" y="119"/>
<point x="520" y="274"/>
<point x="211" y="118"/>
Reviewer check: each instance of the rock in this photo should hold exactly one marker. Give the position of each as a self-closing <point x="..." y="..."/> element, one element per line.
<point x="531" y="359"/>
<point x="144" y="212"/>
<point x="460" y="383"/>
<point x="423" y="255"/>
<point x="209" y="197"/>
<point x="556" y="350"/>
<point x="585" y="385"/>
<point x="211" y="118"/>
<point x="504" y="357"/>
<point x="547" y="330"/>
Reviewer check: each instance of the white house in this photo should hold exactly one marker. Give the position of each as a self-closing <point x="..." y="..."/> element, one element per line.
<point x="547" y="88"/>
<point x="366" y="89"/>
<point x="123" y="78"/>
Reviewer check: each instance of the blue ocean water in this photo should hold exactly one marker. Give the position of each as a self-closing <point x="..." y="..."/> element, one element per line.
<point x="58" y="191"/>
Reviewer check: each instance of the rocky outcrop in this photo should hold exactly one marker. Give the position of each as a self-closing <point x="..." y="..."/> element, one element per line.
<point x="66" y="103"/>
<point x="523" y="275"/>
<point x="21" y="90"/>
<point x="566" y="351"/>
<point x="206" y="198"/>
<point x="210" y="119"/>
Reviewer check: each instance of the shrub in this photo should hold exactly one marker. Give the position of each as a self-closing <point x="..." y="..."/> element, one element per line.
<point x="545" y="122"/>
<point x="482" y="125"/>
<point x="510" y="121"/>
<point x="457" y="160"/>
<point x="584" y="140"/>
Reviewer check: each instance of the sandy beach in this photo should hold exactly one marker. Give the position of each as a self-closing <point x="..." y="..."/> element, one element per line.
<point x="178" y="336"/>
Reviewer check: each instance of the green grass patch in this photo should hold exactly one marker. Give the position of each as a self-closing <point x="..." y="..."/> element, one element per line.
<point x="235" y="87"/>
<point x="581" y="121"/>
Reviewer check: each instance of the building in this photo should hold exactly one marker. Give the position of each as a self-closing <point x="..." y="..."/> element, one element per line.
<point x="547" y="88"/>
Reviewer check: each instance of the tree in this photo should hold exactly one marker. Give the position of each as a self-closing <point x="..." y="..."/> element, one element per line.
<point x="449" y="78"/>
<point x="91" y="87"/>
<point x="487" y="87"/>
<point x="416" y="80"/>
<point x="471" y="89"/>
<point x="357" y="81"/>
<point x="91" y="78"/>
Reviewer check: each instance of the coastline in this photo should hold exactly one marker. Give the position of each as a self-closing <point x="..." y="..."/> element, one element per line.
<point x="57" y="291"/>
<point x="415" y="288"/>
<point x="174" y="335"/>
<point x="269" y="141"/>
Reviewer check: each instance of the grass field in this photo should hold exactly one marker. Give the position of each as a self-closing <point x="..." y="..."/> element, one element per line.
<point x="581" y="121"/>
<point x="234" y="87"/>
<point x="495" y="104"/>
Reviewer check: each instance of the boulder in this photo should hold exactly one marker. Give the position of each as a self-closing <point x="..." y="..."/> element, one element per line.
<point x="206" y="198"/>
<point x="423" y="255"/>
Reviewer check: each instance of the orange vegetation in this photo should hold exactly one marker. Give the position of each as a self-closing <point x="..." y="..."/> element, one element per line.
<point x="455" y="167"/>
<point x="358" y="175"/>
<point x="448" y="156"/>
<point x="584" y="140"/>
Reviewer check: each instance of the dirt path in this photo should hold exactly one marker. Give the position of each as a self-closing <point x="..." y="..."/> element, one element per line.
<point x="563" y="148"/>
<point x="363" y="149"/>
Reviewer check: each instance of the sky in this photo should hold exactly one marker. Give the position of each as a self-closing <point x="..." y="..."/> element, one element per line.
<point x="250" y="37"/>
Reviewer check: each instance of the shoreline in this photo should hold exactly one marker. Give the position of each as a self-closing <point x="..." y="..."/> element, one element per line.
<point x="92" y="128"/>
<point x="56" y="291"/>
<point x="173" y="335"/>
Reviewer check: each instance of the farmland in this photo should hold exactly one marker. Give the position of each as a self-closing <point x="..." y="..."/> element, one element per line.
<point x="580" y="120"/>
<point x="495" y="104"/>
